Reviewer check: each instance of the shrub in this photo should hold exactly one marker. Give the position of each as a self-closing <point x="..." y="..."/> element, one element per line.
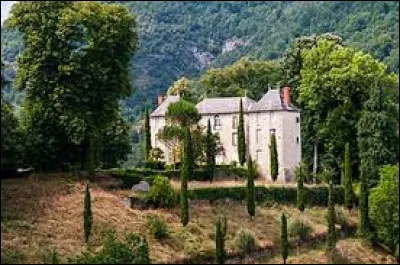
<point x="384" y="206"/>
<point x="284" y="238"/>
<point x="299" y="230"/>
<point x="245" y="241"/>
<point x="87" y="214"/>
<point x="133" y="250"/>
<point x="161" y="193"/>
<point x="331" y="220"/>
<point x="154" y="164"/>
<point x="50" y="256"/>
<point x="157" y="227"/>
<point x="342" y="219"/>
<point x="220" y="235"/>
<point x="396" y="253"/>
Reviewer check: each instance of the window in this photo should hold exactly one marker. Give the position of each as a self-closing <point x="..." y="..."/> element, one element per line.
<point x="297" y="119"/>
<point x="258" y="135"/>
<point x="234" y="139"/>
<point x="234" y="122"/>
<point x="258" y="155"/>
<point x="297" y="139"/>
<point x="271" y="131"/>
<point x="217" y="122"/>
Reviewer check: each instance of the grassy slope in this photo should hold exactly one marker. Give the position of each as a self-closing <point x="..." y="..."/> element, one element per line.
<point x="41" y="213"/>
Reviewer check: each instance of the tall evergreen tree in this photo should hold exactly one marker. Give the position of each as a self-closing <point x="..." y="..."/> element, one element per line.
<point x="87" y="214"/>
<point x="348" y="186"/>
<point x="210" y="152"/>
<point x="186" y="173"/>
<point x="220" y="234"/>
<point x="284" y="239"/>
<point x="331" y="219"/>
<point x="300" y="191"/>
<point x="364" y="228"/>
<point x="241" y="137"/>
<point x="273" y="153"/>
<point x="376" y="135"/>
<point x="147" y="147"/>
<point x="251" y="200"/>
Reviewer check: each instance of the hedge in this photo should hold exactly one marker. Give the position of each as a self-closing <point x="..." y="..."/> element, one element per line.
<point x="132" y="176"/>
<point x="314" y="196"/>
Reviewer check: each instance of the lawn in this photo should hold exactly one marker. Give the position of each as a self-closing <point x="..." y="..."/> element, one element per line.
<point x="41" y="213"/>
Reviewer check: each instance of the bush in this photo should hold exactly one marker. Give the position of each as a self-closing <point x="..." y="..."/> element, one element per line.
<point x="50" y="256"/>
<point x="245" y="241"/>
<point x="384" y="206"/>
<point x="157" y="227"/>
<point x="299" y="230"/>
<point x="342" y="219"/>
<point x="133" y="250"/>
<point x="154" y="164"/>
<point x="315" y="196"/>
<point x="396" y="253"/>
<point x="161" y="193"/>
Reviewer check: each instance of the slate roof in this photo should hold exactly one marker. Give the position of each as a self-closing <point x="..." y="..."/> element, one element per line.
<point x="272" y="100"/>
<point x="161" y="110"/>
<point x="223" y="105"/>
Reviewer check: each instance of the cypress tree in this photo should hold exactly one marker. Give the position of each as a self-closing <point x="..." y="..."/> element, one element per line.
<point x="220" y="235"/>
<point x="284" y="239"/>
<point x="87" y="214"/>
<point x="348" y="189"/>
<point x="273" y="158"/>
<point x="331" y="219"/>
<point x="363" y="228"/>
<point x="251" y="174"/>
<point x="300" y="191"/>
<point x="210" y="152"/>
<point x="186" y="173"/>
<point x="241" y="136"/>
<point x="147" y="144"/>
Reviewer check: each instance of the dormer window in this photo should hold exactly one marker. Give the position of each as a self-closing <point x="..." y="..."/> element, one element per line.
<point x="217" y="122"/>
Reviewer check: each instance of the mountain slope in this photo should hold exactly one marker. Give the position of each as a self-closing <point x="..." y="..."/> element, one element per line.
<point x="185" y="38"/>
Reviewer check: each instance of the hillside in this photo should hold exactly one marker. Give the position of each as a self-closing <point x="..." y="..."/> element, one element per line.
<point x="185" y="38"/>
<point x="43" y="212"/>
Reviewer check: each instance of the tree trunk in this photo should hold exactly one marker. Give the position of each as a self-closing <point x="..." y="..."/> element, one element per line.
<point x="315" y="163"/>
<point x="89" y="156"/>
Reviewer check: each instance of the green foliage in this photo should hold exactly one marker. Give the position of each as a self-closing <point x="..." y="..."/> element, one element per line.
<point x="161" y="193"/>
<point x="348" y="185"/>
<point x="396" y="253"/>
<point x="87" y="214"/>
<point x="180" y="87"/>
<point x="57" y="73"/>
<point x="154" y="164"/>
<point x="50" y="256"/>
<point x="299" y="230"/>
<point x="13" y="257"/>
<point x="133" y="250"/>
<point x="210" y="151"/>
<point x="384" y="206"/>
<point x="11" y="140"/>
<point x="147" y="132"/>
<point x="300" y="189"/>
<point x="246" y="74"/>
<point x="284" y="238"/>
<point x="241" y="141"/>
<point x="245" y="241"/>
<point x="364" y="226"/>
<point x="157" y="227"/>
<point x="250" y="191"/>
<point x="377" y="130"/>
<point x="183" y="112"/>
<point x="315" y="196"/>
<point x="220" y="234"/>
<point x="273" y="154"/>
<point x="114" y="145"/>
<point x="331" y="219"/>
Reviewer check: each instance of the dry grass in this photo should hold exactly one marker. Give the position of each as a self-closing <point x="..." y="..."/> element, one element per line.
<point x="353" y="251"/>
<point x="46" y="212"/>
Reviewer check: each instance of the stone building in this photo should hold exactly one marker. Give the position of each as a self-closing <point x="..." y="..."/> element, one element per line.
<point x="272" y="114"/>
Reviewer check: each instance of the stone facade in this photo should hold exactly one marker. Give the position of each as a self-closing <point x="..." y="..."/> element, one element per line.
<point x="274" y="113"/>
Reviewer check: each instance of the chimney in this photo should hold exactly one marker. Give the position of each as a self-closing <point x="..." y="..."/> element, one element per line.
<point x="286" y="96"/>
<point x="160" y="99"/>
